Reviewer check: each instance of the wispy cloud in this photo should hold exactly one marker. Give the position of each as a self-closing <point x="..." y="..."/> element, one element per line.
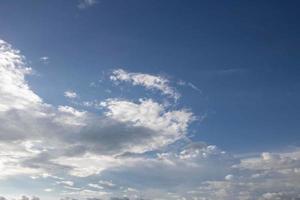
<point x="189" y="84"/>
<point x="148" y="81"/>
<point x="44" y="59"/>
<point x="83" y="4"/>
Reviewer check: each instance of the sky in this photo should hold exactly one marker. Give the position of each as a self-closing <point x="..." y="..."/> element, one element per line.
<point x="149" y="100"/>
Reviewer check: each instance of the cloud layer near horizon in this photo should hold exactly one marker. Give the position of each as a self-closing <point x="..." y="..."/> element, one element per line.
<point x="133" y="148"/>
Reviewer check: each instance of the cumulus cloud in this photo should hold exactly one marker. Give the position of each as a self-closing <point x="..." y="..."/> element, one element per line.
<point x="148" y="81"/>
<point x="169" y="125"/>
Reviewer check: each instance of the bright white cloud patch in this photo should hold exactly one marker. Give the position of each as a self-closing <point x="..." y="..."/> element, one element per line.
<point x="146" y="80"/>
<point x="15" y="92"/>
<point x="168" y="125"/>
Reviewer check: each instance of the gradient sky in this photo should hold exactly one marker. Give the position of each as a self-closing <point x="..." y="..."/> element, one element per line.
<point x="149" y="99"/>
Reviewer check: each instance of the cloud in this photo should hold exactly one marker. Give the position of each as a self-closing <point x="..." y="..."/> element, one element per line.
<point x="44" y="59"/>
<point x="96" y="186"/>
<point x="22" y="198"/>
<point x="195" y="171"/>
<point x="48" y="190"/>
<point x="200" y="170"/>
<point x="15" y="92"/>
<point x="279" y="196"/>
<point x="83" y="4"/>
<point x="68" y="183"/>
<point x="70" y="94"/>
<point x="106" y="183"/>
<point x="189" y="84"/>
<point x="266" y="176"/>
<point x="146" y="80"/>
<point x="11" y="157"/>
<point x="169" y="125"/>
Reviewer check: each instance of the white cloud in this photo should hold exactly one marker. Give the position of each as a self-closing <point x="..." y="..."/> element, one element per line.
<point x="70" y="94"/>
<point x="195" y="171"/>
<point x="70" y="116"/>
<point x="83" y="4"/>
<point x="107" y="183"/>
<point x="11" y="157"/>
<point x="279" y="196"/>
<point x="146" y="80"/>
<point x="88" y="164"/>
<point x="48" y="190"/>
<point x="68" y="183"/>
<point x="93" y="185"/>
<point x="15" y="92"/>
<point x="167" y="126"/>
<point x="229" y="177"/>
<point x="85" y="193"/>
<point x="271" y="161"/>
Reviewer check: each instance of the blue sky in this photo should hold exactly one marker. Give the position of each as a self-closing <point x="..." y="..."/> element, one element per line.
<point x="130" y="86"/>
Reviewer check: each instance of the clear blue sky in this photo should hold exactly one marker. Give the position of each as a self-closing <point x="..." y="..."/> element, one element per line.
<point x="238" y="61"/>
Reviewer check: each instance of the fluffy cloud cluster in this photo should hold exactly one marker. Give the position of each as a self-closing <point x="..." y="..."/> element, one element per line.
<point x="146" y="80"/>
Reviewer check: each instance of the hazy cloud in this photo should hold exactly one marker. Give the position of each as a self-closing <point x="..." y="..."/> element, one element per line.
<point x="83" y="4"/>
